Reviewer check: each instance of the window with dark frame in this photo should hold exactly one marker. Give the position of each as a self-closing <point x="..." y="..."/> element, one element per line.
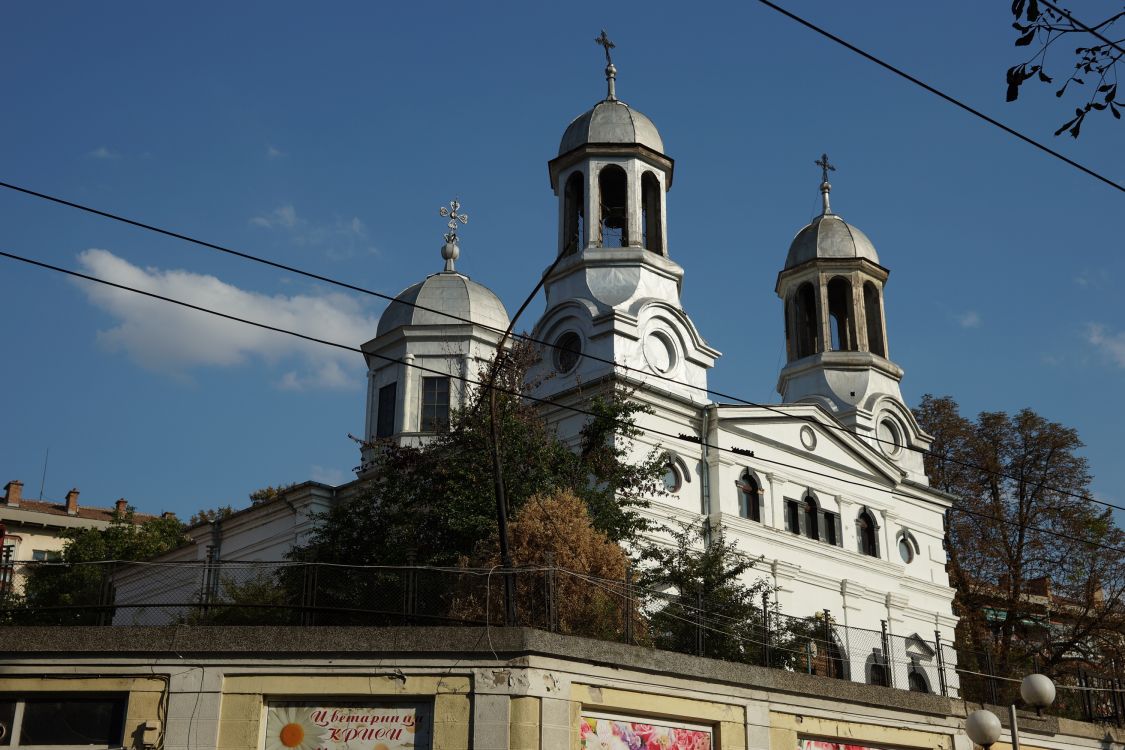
<point x="865" y="528"/>
<point x="435" y="404"/>
<point x="793" y="516"/>
<point x="749" y="498"/>
<point x="385" y="420"/>
<point x="67" y="719"/>
<point x="812" y="521"/>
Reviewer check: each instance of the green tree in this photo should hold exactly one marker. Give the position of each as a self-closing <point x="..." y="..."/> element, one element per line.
<point x="66" y="593"/>
<point x="1032" y="558"/>
<point x="704" y="589"/>
<point x="433" y="504"/>
<point x="1092" y="67"/>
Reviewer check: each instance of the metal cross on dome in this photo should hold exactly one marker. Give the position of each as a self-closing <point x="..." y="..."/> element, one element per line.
<point x="454" y="217"/>
<point x="825" y="167"/>
<point x="604" y="41"/>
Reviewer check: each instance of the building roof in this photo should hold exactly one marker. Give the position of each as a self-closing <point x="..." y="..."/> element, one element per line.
<point x="611" y="121"/>
<point x="89" y="513"/>
<point x="451" y="299"/>
<point x="829" y="236"/>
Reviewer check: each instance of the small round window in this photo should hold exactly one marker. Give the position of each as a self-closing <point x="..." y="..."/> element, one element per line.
<point x="568" y="349"/>
<point x="890" y="436"/>
<point x="660" y="352"/>
<point x="906" y="550"/>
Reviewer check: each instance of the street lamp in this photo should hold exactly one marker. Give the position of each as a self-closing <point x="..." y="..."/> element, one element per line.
<point x="983" y="726"/>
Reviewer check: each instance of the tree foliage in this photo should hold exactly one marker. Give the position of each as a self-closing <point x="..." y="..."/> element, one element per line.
<point x="433" y="504"/>
<point x="705" y="584"/>
<point x="1022" y="525"/>
<point x="61" y="593"/>
<point x="1093" y="65"/>
<point x="549" y="532"/>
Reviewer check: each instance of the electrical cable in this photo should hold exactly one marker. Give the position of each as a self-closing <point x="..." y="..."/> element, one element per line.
<point x="1084" y="27"/>
<point x="513" y="392"/>
<point x="523" y="337"/>
<point x="943" y="95"/>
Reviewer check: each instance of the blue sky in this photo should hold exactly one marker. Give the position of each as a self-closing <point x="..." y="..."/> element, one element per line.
<point x="326" y="137"/>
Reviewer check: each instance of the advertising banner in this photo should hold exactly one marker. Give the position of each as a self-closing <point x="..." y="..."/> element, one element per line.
<point x="824" y="745"/>
<point x="343" y="725"/>
<point x="604" y="732"/>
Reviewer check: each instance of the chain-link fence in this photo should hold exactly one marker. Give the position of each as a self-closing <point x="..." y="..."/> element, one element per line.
<point x="548" y="598"/>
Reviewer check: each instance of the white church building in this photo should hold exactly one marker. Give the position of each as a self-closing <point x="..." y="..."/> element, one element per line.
<point x="826" y="486"/>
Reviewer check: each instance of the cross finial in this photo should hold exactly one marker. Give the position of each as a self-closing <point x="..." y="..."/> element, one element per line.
<point x="825" y="186"/>
<point x="451" y="251"/>
<point x="604" y="41"/>
<point x="610" y="70"/>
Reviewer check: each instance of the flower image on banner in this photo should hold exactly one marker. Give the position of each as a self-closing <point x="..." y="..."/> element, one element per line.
<point x="822" y="745"/>
<point x="609" y="733"/>
<point x="303" y="725"/>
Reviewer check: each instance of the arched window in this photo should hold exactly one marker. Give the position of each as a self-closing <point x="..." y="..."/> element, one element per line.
<point x="812" y="518"/>
<point x="574" y="214"/>
<point x="749" y="497"/>
<point x="614" y="219"/>
<point x="650" y="213"/>
<point x="917" y="681"/>
<point x="840" y="315"/>
<point x="874" y="318"/>
<point x="804" y="321"/>
<point x="865" y="533"/>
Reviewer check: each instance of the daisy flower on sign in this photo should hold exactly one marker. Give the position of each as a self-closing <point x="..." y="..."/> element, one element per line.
<point x="291" y="728"/>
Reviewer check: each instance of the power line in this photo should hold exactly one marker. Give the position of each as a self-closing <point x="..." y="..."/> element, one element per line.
<point x="943" y="95"/>
<point x="1092" y="31"/>
<point x="523" y="337"/>
<point x="514" y="392"/>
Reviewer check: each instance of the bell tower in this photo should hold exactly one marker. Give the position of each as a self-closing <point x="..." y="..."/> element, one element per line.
<point x="836" y="337"/>
<point x="614" y="292"/>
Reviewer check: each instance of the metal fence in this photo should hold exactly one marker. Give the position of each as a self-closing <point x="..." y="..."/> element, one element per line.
<point x="549" y="598"/>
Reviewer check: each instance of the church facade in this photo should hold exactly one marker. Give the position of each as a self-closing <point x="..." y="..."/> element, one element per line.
<point x="825" y="488"/>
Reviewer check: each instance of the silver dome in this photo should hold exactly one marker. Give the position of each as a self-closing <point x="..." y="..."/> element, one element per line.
<point x="829" y="236"/>
<point x="447" y="292"/>
<point x="611" y="121"/>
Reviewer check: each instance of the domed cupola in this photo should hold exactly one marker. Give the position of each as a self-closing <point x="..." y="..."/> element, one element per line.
<point x="835" y="334"/>
<point x="613" y="291"/>
<point x="433" y="336"/>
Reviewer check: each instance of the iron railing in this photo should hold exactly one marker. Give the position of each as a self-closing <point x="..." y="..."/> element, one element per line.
<point x="548" y="598"/>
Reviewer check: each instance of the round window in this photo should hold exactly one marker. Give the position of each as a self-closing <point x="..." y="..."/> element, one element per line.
<point x="808" y="437"/>
<point x="890" y="436"/>
<point x="906" y="550"/>
<point x="568" y="349"/>
<point x="660" y="352"/>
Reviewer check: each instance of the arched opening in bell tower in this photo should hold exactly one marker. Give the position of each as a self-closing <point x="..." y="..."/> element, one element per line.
<point x="804" y="321"/>
<point x="650" y="213"/>
<point x="872" y="310"/>
<point x="574" y="214"/>
<point x="614" y="218"/>
<point x="840" y="322"/>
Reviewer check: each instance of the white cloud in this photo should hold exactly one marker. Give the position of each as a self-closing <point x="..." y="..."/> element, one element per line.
<point x="328" y="475"/>
<point x="340" y="238"/>
<point x="274" y="153"/>
<point x="174" y="340"/>
<point x="101" y="152"/>
<point x="282" y="217"/>
<point x="1108" y="342"/>
<point x="969" y="319"/>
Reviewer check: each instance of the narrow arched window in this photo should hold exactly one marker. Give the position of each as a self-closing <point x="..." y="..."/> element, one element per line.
<point x="812" y="520"/>
<point x="614" y="216"/>
<point x="873" y="314"/>
<point x="917" y="681"/>
<point x="650" y="213"/>
<point x="804" y="320"/>
<point x="842" y="327"/>
<point x="865" y="532"/>
<point x="749" y="497"/>
<point x="574" y="214"/>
